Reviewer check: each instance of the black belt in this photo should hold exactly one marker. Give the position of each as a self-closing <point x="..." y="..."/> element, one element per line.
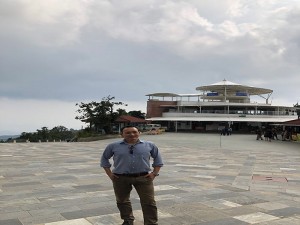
<point x="132" y="174"/>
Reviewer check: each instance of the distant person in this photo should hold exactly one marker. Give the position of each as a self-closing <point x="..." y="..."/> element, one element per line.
<point x="268" y="134"/>
<point x="224" y="131"/>
<point x="286" y="135"/>
<point x="259" y="134"/>
<point x="131" y="161"/>
<point x="229" y="130"/>
<point x="274" y="133"/>
<point x="282" y="135"/>
<point x="266" y="137"/>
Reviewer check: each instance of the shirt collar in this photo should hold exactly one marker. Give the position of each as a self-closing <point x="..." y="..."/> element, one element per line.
<point x="124" y="142"/>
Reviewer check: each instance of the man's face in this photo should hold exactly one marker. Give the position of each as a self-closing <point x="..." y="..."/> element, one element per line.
<point x="131" y="134"/>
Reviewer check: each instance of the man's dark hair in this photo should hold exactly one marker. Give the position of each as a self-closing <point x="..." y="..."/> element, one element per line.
<point x="129" y="126"/>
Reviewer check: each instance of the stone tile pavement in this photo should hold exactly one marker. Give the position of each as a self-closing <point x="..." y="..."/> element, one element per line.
<point x="207" y="180"/>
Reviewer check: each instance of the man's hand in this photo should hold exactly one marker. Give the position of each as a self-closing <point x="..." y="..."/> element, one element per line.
<point x="110" y="174"/>
<point x="151" y="175"/>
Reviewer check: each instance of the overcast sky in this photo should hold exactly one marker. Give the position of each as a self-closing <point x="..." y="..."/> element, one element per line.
<point x="54" y="54"/>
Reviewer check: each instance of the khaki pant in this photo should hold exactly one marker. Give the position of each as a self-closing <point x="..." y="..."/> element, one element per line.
<point x="144" y="187"/>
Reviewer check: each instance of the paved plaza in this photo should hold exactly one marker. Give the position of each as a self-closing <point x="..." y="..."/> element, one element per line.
<point x="207" y="179"/>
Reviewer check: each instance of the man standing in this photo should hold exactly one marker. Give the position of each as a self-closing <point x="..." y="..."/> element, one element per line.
<point x="131" y="168"/>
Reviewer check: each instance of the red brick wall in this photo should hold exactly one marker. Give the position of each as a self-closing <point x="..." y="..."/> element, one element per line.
<point x="154" y="108"/>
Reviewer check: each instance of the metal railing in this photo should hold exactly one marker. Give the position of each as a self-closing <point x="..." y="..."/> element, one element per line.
<point x="239" y="112"/>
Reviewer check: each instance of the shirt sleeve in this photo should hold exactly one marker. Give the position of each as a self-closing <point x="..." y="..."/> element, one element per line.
<point x="107" y="154"/>
<point x="155" y="154"/>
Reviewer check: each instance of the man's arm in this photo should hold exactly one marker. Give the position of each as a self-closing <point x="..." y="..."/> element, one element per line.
<point x="157" y="159"/>
<point x="156" y="170"/>
<point x="109" y="173"/>
<point x="154" y="173"/>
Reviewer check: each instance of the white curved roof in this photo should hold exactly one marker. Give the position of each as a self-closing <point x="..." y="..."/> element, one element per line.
<point x="233" y="88"/>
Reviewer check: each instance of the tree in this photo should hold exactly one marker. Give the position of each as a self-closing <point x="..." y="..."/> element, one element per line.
<point x="87" y="111"/>
<point x="25" y="136"/>
<point x="99" y="115"/>
<point x="297" y="106"/>
<point x="43" y="133"/>
<point x="60" y="133"/>
<point x="56" y="133"/>
<point x="137" y="114"/>
<point x="121" y="112"/>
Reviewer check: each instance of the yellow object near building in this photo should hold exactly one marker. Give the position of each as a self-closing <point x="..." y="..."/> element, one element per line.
<point x="296" y="137"/>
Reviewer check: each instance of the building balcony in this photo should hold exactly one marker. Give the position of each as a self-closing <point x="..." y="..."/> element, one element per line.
<point x="268" y="116"/>
<point x="220" y="103"/>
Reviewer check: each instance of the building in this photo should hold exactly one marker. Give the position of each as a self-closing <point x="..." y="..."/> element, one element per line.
<point x="216" y="106"/>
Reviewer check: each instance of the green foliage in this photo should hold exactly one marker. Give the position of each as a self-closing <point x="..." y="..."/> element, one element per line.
<point x="57" y="133"/>
<point x="121" y="112"/>
<point x="100" y="115"/>
<point x="297" y="106"/>
<point x="87" y="133"/>
<point x="137" y="114"/>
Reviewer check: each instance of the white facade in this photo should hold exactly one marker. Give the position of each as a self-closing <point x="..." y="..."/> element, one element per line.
<point x="223" y="102"/>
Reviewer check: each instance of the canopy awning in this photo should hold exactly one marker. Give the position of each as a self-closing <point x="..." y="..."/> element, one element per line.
<point x="231" y="87"/>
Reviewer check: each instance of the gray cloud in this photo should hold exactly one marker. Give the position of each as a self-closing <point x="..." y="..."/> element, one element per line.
<point x="84" y="50"/>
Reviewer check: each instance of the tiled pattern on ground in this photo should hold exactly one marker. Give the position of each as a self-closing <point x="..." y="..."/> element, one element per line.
<point x="206" y="180"/>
